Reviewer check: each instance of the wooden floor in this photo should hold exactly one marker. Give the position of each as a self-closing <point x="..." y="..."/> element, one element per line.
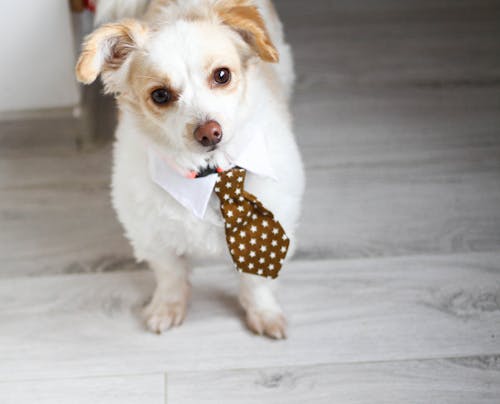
<point x="394" y="295"/>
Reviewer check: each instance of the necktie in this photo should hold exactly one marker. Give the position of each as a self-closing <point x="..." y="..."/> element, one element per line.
<point x="257" y="242"/>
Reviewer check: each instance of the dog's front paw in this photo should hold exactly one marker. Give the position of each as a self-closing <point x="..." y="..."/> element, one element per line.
<point x="269" y="322"/>
<point x="161" y="315"/>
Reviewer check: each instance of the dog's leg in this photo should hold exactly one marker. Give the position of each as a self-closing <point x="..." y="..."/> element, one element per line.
<point x="264" y="314"/>
<point x="168" y="305"/>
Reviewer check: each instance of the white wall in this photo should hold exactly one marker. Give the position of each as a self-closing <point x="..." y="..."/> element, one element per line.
<point x="37" y="55"/>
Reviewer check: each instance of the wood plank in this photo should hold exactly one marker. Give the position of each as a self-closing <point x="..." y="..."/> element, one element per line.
<point x="399" y="173"/>
<point x="134" y="389"/>
<point x="466" y="380"/>
<point x="396" y="112"/>
<point x="56" y="215"/>
<point x="394" y="43"/>
<point x="339" y="311"/>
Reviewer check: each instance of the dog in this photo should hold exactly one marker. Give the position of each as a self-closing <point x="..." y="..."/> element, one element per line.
<point x="193" y="80"/>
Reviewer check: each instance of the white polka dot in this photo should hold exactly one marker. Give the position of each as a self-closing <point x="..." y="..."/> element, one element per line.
<point x="283" y="249"/>
<point x="230" y="174"/>
<point x="274" y="243"/>
<point x="226" y="197"/>
<point x="272" y="255"/>
<point x="263" y="236"/>
<point x="229" y="213"/>
<point x="270" y="267"/>
<point x="241" y="208"/>
<point x="253" y="229"/>
<point x="252" y="254"/>
<point x="228" y="185"/>
<point x="263" y="248"/>
<point x="241" y="259"/>
<point x="241" y="247"/>
<point x="239" y="220"/>
<point x="243" y="234"/>
<point x="284" y="237"/>
<point x="232" y="239"/>
<point x="275" y="231"/>
<point x="262" y="260"/>
<point x="217" y="189"/>
<point x="253" y="241"/>
<point x="260" y="271"/>
<point x="265" y="223"/>
<point x="250" y="266"/>
<point x="237" y="192"/>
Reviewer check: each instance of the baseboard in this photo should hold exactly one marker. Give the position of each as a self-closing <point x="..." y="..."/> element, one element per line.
<point x="82" y="126"/>
<point x="34" y="114"/>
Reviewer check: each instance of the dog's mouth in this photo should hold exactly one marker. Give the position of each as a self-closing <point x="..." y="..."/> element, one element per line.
<point x="215" y="157"/>
<point x="204" y="171"/>
<point x="206" y="152"/>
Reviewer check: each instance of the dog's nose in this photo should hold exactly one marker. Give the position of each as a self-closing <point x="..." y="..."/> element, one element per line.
<point x="208" y="134"/>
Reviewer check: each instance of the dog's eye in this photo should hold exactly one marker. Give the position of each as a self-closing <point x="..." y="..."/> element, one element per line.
<point x="222" y="75"/>
<point x="161" y="96"/>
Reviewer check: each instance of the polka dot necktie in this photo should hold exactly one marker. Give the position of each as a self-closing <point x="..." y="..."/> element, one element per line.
<point x="257" y="242"/>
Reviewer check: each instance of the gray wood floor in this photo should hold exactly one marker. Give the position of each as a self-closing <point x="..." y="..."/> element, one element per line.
<point x="394" y="298"/>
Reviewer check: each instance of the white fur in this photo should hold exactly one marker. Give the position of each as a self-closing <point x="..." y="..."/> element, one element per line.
<point x="161" y="231"/>
<point x="112" y="10"/>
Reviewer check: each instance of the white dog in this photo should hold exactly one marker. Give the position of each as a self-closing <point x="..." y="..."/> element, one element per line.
<point x="197" y="83"/>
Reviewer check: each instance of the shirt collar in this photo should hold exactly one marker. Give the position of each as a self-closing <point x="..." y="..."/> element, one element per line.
<point x="194" y="193"/>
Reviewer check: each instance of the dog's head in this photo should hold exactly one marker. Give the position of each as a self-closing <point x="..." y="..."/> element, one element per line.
<point x="185" y="79"/>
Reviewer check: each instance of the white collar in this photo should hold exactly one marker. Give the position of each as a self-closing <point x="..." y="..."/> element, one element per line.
<point x="194" y="193"/>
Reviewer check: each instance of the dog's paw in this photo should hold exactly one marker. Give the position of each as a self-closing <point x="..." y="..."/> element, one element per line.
<point x="161" y="315"/>
<point x="267" y="322"/>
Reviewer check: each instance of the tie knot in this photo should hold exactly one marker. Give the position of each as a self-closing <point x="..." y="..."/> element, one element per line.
<point x="229" y="186"/>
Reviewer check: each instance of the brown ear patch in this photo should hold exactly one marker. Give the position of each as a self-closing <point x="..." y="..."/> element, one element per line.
<point x="244" y="17"/>
<point x="107" y="48"/>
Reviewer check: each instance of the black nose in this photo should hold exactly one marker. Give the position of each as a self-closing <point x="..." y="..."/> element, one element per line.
<point x="208" y="134"/>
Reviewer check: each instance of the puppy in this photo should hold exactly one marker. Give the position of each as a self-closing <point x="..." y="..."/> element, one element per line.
<point x="196" y="83"/>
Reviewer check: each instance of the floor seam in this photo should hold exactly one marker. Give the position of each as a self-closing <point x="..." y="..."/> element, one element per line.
<point x="165" y="373"/>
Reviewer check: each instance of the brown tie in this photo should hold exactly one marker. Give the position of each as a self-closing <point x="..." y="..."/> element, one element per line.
<point x="257" y="242"/>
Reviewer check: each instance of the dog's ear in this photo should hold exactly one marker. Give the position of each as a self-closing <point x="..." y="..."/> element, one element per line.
<point x="106" y="49"/>
<point x="244" y="17"/>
